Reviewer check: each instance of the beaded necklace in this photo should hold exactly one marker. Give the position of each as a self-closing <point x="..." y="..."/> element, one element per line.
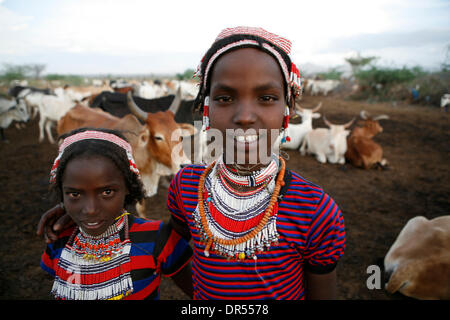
<point x="258" y="227"/>
<point x="95" y="267"/>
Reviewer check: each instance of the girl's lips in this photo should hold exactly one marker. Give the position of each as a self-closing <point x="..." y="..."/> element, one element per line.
<point x="92" y="226"/>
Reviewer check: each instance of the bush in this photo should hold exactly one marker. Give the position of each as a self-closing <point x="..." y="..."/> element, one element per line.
<point x="332" y="74"/>
<point x="72" y="80"/>
<point x="384" y="84"/>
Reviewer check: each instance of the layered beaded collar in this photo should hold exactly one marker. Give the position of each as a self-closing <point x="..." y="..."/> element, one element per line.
<point x="257" y="178"/>
<point x="233" y="232"/>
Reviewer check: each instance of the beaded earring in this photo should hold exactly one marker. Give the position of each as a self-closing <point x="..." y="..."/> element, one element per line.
<point x="286" y="137"/>
<point x="206" y="114"/>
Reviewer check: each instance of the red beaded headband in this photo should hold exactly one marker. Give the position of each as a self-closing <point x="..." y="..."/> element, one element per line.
<point x="91" y="134"/>
<point x="292" y="77"/>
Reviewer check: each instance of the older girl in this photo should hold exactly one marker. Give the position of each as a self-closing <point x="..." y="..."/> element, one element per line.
<point x="259" y="230"/>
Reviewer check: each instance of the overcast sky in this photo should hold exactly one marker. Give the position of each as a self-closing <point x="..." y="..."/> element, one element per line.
<point x="122" y="37"/>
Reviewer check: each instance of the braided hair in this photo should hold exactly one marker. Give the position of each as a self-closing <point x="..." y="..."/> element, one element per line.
<point x="104" y="148"/>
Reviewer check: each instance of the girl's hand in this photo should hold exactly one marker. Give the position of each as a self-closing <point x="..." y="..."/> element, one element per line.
<point x="52" y="222"/>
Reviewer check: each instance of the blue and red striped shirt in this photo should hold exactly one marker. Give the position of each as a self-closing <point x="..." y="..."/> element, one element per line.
<point x="155" y="249"/>
<point x="311" y="237"/>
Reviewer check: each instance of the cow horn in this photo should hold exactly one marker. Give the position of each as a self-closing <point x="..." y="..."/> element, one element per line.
<point x="176" y="102"/>
<point x="138" y="112"/>
<point x="328" y="123"/>
<point x="381" y="117"/>
<point x="348" y="124"/>
<point x="318" y="107"/>
<point x="364" y="114"/>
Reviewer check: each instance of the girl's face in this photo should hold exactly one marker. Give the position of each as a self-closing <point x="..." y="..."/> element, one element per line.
<point x="94" y="192"/>
<point x="247" y="92"/>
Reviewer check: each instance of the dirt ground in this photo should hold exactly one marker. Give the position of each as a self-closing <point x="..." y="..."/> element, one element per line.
<point x="376" y="204"/>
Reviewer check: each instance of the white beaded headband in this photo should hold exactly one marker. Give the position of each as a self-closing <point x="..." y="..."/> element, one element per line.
<point x="98" y="135"/>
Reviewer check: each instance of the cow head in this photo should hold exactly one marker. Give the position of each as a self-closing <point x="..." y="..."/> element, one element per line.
<point x="371" y="124"/>
<point x="308" y="114"/>
<point x="161" y="136"/>
<point x="338" y="139"/>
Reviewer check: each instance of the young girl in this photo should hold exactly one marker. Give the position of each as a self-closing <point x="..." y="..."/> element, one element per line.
<point x="109" y="254"/>
<point x="259" y="231"/>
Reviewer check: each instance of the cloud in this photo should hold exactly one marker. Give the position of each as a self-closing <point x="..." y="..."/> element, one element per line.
<point x="363" y="42"/>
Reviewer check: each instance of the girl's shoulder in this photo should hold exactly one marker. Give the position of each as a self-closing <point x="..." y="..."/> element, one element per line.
<point x="302" y="188"/>
<point x="299" y="181"/>
<point x="137" y="224"/>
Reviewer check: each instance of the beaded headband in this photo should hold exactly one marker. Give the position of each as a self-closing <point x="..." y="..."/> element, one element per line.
<point x="97" y="135"/>
<point x="291" y="73"/>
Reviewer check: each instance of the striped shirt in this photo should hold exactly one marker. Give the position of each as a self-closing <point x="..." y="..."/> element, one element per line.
<point x="311" y="237"/>
<point x="155" y="249"/>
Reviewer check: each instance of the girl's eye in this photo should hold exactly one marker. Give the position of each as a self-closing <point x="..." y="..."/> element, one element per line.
<point x="107" y="193"/>
<point x="223" y="99"/>
<point x="73" y="195"/>
<point x="269" y="98"/>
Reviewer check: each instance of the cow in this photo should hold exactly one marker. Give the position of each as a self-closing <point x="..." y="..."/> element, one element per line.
<point x="445" y="101"/>
<point x="297" y="131"/>
<point x="150" y="90"/>
<point x="327" y="144"/>
<point x="9" y="112"/>
<point x="51" y="109"/>
<point x="362" y="151"/>
<point x="324" y="87"/>
<point x="117" y="105"/>
<point x="156" y="143"/>
<point x="15" y="90"/>
<point x="418" y="263"/>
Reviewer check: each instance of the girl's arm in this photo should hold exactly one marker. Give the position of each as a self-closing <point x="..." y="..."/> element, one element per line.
<point x="181" y="228"/>
<point x="183" y="279"/>
<point x="321" y="286"/>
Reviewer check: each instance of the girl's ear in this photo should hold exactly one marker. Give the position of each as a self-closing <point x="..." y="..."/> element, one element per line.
<point x="291" y="104"/>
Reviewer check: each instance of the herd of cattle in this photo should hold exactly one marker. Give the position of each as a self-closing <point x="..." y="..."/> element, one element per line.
<point x="150" y="117"/>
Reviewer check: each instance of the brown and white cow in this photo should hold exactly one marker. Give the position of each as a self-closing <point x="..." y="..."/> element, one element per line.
<point x="156" y="144"/>
<point x="419" y="260"/>
<point x="362" y="151"/>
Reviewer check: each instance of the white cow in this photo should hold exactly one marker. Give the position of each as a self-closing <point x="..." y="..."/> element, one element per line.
<point x="9" y="112"/>
<point x="189" y="90"/>
<point x="327" y="143"/>
<point x="324" y="87"/>
<point x="297" y="131"/>
<point x="445" y="101"/>
<point x="51" y="109"/>
<point x="148" y="90"/>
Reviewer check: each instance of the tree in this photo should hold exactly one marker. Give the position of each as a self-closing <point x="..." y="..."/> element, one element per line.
<point x="36" y="69"/>
<point x="358" y="62"/>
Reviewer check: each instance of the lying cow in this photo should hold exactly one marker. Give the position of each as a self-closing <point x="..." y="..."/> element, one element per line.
<point x="418" y="263"/>
<point x="156" y="144"/>
<point x="327" y="144"/>
<point x="362" y="151"/>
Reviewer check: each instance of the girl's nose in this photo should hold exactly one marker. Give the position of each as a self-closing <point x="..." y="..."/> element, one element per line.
<point x="90" y="206"/>
<point x="244" y="114"/>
